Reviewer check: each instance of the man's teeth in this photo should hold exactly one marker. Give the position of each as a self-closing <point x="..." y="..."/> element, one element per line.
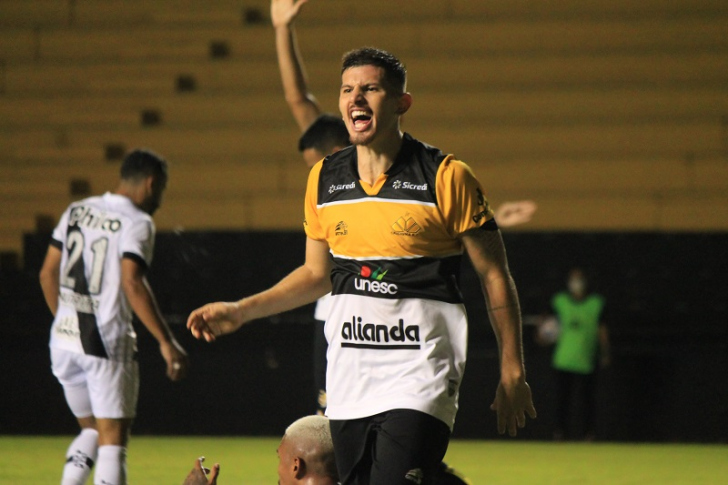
<point x="358" y="114"/>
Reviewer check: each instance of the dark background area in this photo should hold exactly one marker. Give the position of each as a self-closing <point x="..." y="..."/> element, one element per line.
<point x="667" y="300"/>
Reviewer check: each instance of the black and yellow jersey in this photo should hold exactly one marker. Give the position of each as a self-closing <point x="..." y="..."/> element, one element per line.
<point x="396" y="308"/>
<point x="406" y="225"/>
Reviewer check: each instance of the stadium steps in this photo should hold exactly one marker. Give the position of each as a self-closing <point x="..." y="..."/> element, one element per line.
<point x="629" y="106"/>
<point x="465" y="38"/>
<point x="447" y="10"/>
<point x="230" y="12"/>
<point x="190" y="145"/>
<point x="698" y="70"/>
<point x="623" y="102"/>
<point x="659" y="176"/>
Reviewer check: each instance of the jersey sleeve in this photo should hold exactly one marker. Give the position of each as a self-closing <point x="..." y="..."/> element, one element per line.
<point x="462" y="199"/>
<point x="137" y="242"/>
<point x="59" y="233"/>
<point x="311" y="223"/>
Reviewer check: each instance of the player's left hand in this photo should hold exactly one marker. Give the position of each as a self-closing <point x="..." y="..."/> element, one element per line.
<point x="512" y="402"/>
<point x="201" y="475"/>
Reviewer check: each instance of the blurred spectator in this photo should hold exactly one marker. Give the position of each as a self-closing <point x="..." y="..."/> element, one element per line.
<point x="582" y="341"/>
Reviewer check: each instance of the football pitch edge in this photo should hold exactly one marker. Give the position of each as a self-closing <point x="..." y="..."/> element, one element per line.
<point x="30" y="460"/>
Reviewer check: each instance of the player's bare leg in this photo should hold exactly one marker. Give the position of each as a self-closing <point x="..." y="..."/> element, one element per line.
<point x="113" y="438"/>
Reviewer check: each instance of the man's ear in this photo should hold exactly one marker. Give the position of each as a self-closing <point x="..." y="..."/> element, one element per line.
<point x="404" y="103"/>
<point x="149" y="183"/>
<point x="299" y="468"/>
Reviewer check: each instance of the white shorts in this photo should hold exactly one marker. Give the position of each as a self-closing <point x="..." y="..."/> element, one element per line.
<point x="95" y="386"/>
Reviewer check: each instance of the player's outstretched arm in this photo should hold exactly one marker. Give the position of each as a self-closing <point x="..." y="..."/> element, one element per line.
<point x="142" y="301"/>
<point x="302" y="103"/>
<point x="199" y="475"/>
<point x="49" y="276"/>
<point x="513" y="396"/>
<point x="304" y="285"/>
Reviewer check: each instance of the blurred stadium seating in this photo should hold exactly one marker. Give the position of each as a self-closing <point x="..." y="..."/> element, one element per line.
<point x="612" y="116"/>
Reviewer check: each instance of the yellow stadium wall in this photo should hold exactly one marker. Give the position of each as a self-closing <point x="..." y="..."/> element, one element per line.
<point x="610" y="116"/>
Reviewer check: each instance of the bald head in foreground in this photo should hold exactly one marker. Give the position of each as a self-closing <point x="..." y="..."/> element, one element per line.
<point x="306" y="453"/>
<point x="305" y="456"/>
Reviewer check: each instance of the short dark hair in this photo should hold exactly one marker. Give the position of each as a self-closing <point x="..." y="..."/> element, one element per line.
<point x="395" y="74"/>
<point x="142" y="163"/>
<point x="324" y="134"/>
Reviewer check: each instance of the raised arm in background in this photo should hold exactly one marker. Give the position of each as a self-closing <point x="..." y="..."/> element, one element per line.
<point x="301" y="101"/>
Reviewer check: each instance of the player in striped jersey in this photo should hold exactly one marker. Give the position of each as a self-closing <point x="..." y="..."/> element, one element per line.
<point x="93" y="277"/>
<point x="387" y="222"/>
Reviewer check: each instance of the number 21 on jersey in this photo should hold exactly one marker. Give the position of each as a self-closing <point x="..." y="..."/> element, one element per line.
<point x="74" y="272"/>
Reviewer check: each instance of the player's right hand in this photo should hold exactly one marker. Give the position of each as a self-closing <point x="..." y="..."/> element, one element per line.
<point x="284" y="12"/>
<point x="215" y="319"/>
<point x="201" y="475"/>
<point x="176" y="358"/>
<point x="512" y="402"/>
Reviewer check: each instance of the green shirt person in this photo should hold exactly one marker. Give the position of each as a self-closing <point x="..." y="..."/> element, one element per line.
<point x="582" y="342"/>
<point x="580" y="322"/>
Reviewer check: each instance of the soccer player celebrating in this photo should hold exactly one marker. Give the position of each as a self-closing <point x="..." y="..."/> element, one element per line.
<point x="93" y="277"/>
<point x="387" y="221"/>
<point x="324" y="134"/>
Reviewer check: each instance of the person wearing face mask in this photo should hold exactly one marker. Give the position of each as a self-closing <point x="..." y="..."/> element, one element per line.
<point x="582" y="342"/>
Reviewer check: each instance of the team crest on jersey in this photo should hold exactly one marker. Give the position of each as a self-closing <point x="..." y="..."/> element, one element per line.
<point x="406" y="226"/>
<point x="342" y="229"/>
<point x="482" y="202"/>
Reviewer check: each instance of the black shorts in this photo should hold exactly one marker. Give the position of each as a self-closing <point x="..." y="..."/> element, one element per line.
<point x="397" y="447"/>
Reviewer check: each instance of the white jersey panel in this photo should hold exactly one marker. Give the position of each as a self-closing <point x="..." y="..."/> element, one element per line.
<point x="323" y="307"/>
<point x="94" y="315"/>
<point x="391" y="354"/>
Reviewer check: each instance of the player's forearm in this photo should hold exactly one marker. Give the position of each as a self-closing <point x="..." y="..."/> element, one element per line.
<point x="145" y="306"/>
<point x="299" y="288"/>
<point x="49" y="283"/>
<point x="301" y="102"/>
<point x="50" y="278"/>
<point x="505" y="316"/>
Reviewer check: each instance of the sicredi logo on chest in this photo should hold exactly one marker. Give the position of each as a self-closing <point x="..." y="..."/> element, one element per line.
<point x="398" y="184"/>
<point x="336" y="188"/>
